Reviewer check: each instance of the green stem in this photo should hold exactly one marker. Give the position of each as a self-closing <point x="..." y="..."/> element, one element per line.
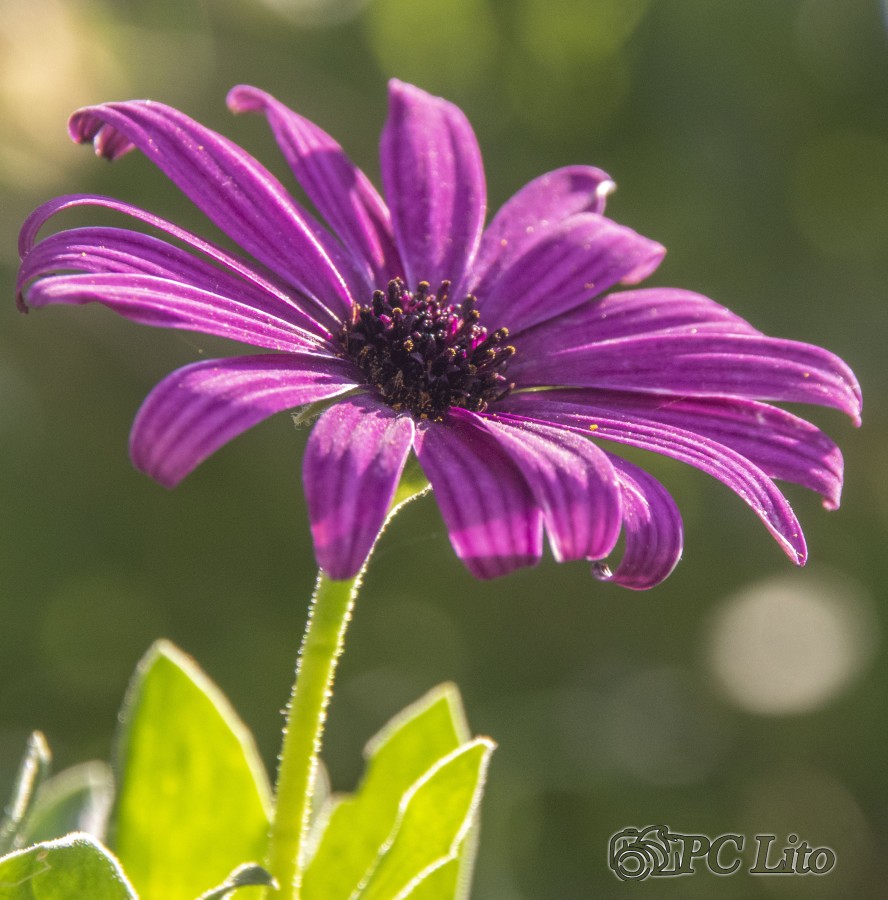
<point x="328" y="618"/>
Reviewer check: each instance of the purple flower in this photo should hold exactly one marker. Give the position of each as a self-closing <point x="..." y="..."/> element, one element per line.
<point x="496" y="354"/>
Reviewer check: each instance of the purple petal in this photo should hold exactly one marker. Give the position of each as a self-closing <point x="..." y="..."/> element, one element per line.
<point x="567" y="264"/>
<point x="629" y="314"/>
<point x="163" y="303"/>
<point x="574" y="485"/>
<point x="118" y="252"/>
<point x="341" y="192"/>
<point x="237" y="193"/>
<point x="653" y="531"/>
<point x="353" y="462"/>
<point x="540" y="204"/>
<point x="195" y="410"/>
<point x="494" y="524"/>
<point x="278" y="297"/>
<point x="781" y="444"/>
<point x="699" y="365"/>
<point x="747" y="480"/>
<point x="434" y="184"/>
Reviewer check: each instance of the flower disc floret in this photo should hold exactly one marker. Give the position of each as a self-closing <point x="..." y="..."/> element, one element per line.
<point x="426" y="355"/>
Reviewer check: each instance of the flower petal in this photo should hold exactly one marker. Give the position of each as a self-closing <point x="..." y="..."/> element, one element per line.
<point x="627" y="314"/>
<point x="747" y="480"/>
<point x="341" y="192"/>
<point x="542" y="203"/>
<point x="163" y="303"/>
<point x="653" y="530"/>
<point x="117" y="251"/>
<point x="567" y="264"/>
<point x="353" y="462"/>
<point x="434" y="185"/>
<point x="700" y="365"/>
<point x="782" y="445"/>
<point x="278" y="297"/>
<point x="237" y="193"/>
<point x="574" y="485"/>
<point x="195" y="410"/>
<point x="494" y="524"/>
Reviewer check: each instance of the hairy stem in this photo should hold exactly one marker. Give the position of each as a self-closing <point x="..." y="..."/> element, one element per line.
<point x="328" y="619"/>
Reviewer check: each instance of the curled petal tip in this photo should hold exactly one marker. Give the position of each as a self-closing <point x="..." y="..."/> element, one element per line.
<point x="244" y="98"/>
<point x="20" y="304"/>
<point x="88" y="126"/>
<point x="857" y="409"/>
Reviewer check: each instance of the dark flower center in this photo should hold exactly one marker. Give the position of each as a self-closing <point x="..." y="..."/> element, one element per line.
<point x="424" y="354"/>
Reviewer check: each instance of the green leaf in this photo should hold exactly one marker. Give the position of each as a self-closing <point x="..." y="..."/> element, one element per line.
<point x="247" y="875"/>
<point x="352" y="829"/>
<point x="76" y="866"/>
<point x="77" y="799"/>
<point x="442" y="884"/>
<point x="194" y="799"/>
<point x="435" y="816"/>
<point x="32" y="771"/>
<point x="452" y="881"/>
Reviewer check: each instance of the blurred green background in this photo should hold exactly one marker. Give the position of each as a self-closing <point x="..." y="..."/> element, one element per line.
<point x="751" y="138"/>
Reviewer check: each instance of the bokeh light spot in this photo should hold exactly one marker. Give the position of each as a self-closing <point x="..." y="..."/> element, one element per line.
<point x="790" y="644"/>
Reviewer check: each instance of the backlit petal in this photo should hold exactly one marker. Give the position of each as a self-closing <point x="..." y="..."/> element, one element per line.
<point x="782" y="445"/>
<point x="494" y="523"/>
<point x="572" y="481"/>
<point x="700" y="365"/>
<point x="354" y="459"/>
<point x="539" y="205"/>
<point x="434" y="185"/>
<point x="164" y="303"/>
<point x="279" y="298"/>
<point x="237" y="193"/>
<point x="569" y="263"/>
<point x="652" y="528"/>
<point x="341" y="192"/>
<point x="747" y="480"/>
<point x="195" y="410"/>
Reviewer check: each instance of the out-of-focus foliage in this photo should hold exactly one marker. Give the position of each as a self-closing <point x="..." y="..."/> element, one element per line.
<point x="76" y="866"/>
<point x="413" y="812"/>
<point x="193" y="802"/>
<point x="752" y="140"/>
<point x="190" y="798"/>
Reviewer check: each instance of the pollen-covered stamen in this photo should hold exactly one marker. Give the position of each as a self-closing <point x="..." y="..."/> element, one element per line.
<point x="425" y="354"/>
